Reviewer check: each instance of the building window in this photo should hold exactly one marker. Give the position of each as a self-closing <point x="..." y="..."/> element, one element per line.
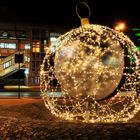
<point x="36" y="46"/>
<point x="5" y="34"/>
<point x="7" y="45"/>
<point x="36" y="80"/>
<point x="54" y="43"/>
<point x="27" y="46"/>
<point x="36" y="50"/>
<point x="7" y="64"/>
<point x="27" y="59"/>
<point x="35" y="34"/>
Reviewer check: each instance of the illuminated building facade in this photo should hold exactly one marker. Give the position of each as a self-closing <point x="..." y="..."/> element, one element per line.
<point x="29" y="43"/>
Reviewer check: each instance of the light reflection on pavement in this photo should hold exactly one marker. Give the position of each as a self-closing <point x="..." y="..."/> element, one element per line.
<point x="22" y="94"/>
<point x="28" y="94"/>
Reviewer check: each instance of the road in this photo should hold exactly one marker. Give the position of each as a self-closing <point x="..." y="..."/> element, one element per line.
<point x="22" y="94"/>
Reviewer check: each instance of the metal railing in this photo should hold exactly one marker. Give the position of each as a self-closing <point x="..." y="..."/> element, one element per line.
<point x="4" y="70"/>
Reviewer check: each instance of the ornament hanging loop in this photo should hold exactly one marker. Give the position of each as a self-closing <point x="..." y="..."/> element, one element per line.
<point x="85" y="20"/>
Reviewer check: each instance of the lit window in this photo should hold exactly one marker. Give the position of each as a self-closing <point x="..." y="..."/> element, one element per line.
<point x="27" y="46"/>
<point x="7" y="64"/>
<point x="36" y="49"/>
<point x="27" y="59"/>
<point x="53" y="39"/>
<point x="45" y="42"/>
<point x="8" y="45"/>
<point x="5" y="34"/>
<point x="36" y="80"/>
<point x="36" y="46"/>
<point x="54" y="43"/>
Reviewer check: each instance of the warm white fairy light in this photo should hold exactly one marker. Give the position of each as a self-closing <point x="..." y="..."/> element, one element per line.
<point x="96" y="70"/>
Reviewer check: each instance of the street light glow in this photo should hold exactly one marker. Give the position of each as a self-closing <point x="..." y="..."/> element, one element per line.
<point x="120" y="26"/>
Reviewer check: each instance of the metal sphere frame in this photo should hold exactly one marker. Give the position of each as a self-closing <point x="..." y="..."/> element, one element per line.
<point x="119" y="104"/>
<point x="88" y="109"/>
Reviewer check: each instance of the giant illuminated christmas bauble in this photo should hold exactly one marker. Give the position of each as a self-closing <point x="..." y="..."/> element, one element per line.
<point x="90" y="61"/>
<point x="97" y="73"/>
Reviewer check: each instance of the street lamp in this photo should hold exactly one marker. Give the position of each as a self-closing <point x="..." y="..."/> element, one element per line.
<point x="120" y="26"/>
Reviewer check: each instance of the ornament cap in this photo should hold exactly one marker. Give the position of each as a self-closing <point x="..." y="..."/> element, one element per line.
<point x="84" y="21"/>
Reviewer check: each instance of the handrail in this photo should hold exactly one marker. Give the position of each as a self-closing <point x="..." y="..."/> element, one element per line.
<point x="12" y="67"/>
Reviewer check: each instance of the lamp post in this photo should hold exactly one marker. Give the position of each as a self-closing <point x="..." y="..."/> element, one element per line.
<point x="18" y="59"/>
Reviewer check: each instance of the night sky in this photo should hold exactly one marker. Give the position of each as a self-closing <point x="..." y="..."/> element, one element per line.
<point x="62" y="12"/>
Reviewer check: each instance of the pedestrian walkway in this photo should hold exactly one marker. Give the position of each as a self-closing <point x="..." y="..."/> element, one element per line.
<point x="11" y="102"/>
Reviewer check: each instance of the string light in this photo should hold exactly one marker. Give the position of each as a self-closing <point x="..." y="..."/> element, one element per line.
<point x="91" y="77"/>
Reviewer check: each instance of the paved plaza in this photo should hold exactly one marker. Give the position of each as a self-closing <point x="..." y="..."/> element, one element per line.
<point x="28" y="119"/>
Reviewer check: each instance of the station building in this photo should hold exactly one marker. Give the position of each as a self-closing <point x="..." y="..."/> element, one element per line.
<point x="22" y="50"/>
